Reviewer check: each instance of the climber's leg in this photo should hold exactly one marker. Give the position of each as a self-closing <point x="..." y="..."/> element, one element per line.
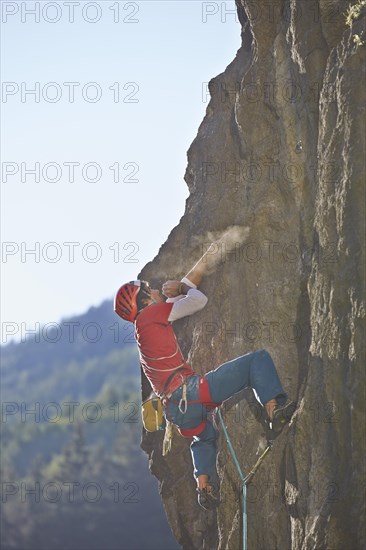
<point x="256" y="370"/>
<point x="203" y="450"/>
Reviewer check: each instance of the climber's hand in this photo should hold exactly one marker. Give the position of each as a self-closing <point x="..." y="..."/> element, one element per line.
<point x="171" y="289"/>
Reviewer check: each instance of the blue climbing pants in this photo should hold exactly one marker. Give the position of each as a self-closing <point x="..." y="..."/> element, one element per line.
<point x="255" y="370"/>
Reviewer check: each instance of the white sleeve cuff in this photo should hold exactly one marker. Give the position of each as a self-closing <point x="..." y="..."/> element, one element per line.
<point x="188" y="282"/>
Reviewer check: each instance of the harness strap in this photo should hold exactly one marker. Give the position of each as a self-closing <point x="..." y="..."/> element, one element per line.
<point x="206" y="400"/>
<point x="190" y="432"/>
<point x="185" y="432"/>
<point x="205" y="395"/>
<point x="169" y="379"/>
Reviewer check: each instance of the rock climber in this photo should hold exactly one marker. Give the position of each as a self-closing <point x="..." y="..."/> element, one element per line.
<point x="186" y="396"/>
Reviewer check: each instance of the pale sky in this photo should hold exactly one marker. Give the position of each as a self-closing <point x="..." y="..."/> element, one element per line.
<point x="97" y="117"/>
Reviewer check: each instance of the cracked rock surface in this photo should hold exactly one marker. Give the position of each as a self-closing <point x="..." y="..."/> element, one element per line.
<point x="280" y="151"/>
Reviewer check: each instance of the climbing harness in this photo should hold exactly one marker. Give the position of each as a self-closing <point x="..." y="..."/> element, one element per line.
<point x="244" y="479"/>
<point x="204" y="397"/>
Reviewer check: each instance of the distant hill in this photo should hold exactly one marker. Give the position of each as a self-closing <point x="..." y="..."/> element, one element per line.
<point x="71" y="418"/>
<point x="98" y="339"/>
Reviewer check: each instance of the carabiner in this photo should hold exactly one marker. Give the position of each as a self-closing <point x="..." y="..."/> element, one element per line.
<point x="183" y="404"/>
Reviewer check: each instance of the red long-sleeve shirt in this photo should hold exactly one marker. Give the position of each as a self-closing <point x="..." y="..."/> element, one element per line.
<point x="160" y="355"/>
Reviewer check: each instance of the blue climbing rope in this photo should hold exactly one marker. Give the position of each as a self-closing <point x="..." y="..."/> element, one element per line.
<point x="243" y="478"/>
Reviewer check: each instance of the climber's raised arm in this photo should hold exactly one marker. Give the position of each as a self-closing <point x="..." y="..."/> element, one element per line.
<point x="186" y="297"/>
<point x="174" y="289"/>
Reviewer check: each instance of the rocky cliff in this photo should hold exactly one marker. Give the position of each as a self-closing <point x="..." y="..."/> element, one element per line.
<point x="281" y="151"/>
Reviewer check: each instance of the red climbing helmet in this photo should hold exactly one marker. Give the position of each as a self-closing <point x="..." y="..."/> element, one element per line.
<point x="125" y="302"/>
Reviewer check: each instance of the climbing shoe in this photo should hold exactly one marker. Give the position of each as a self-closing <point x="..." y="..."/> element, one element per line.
<point x="209" y="500"/>
<point x="282" y="416"/>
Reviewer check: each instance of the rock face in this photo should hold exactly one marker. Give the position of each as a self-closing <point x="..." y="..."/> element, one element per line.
<point x="280" y="151"/>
